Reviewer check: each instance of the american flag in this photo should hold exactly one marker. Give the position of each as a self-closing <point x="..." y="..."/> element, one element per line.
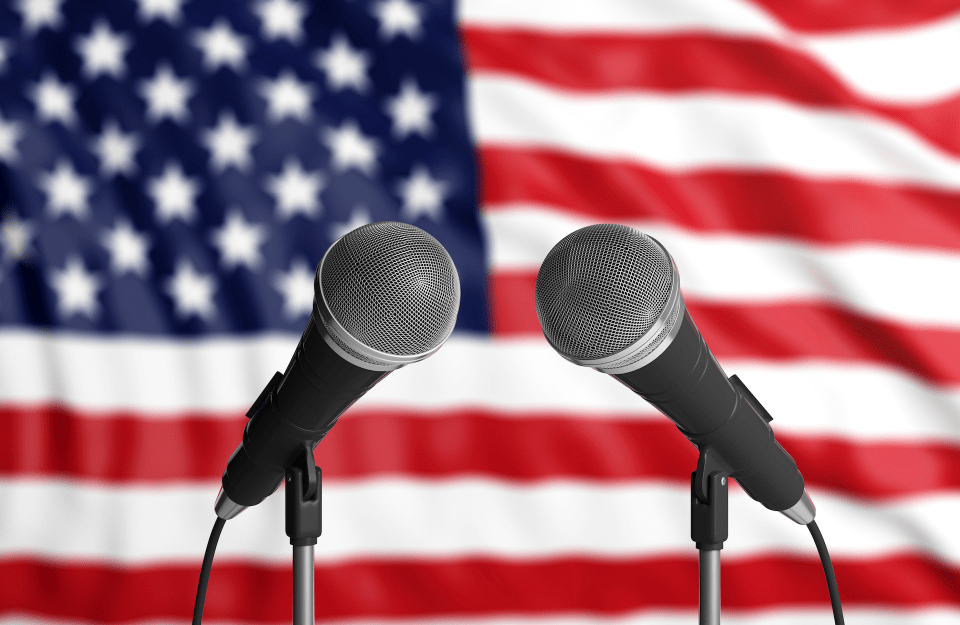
<point x="173" y="170"/>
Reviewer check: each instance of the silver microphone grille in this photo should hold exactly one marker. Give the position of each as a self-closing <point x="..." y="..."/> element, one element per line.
<point x="600" y="289"/>
<point x="393" y="288"/>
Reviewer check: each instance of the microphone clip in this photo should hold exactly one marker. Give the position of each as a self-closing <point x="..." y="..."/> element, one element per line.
<point x="708" y="464"/>
<point x="302" y="499"/>
<point x="708" y="502"/>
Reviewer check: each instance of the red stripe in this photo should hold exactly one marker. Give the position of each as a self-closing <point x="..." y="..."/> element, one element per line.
<point x="817" y="15"/>
<point x="771" y="331"/>
<point x="727" y="201"/>
<point x="693" y="62"/>
<point x="478" y="586"/>
<point x="548" y="447"/>
<point x="115" y="447"/>
<point x="123" y="449"/>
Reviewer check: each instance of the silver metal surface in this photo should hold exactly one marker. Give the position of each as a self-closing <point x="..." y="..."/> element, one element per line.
<point x="303" y="585"/>
<point x="608" y="297"/>
<point x="386" y="294"/>
<point x="710" y="587"/>
<point x="226" y="508"/>
<point x="653" y="344"/>
<point x="802" y="512"/>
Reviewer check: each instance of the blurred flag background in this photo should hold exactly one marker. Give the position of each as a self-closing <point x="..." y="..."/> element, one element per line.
<point x="173" y="170"/>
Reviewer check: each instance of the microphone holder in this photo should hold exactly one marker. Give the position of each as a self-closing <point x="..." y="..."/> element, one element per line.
<point x="708" y="529"/>
<point x="303" y="525"/>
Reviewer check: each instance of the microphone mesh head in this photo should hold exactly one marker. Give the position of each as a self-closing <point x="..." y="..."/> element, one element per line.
<point x="393" y="287"/>
<point x="600" y="289"/>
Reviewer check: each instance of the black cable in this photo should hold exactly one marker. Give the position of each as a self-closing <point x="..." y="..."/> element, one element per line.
<point x="827" y="571"/>
<point x="205" y="570"/>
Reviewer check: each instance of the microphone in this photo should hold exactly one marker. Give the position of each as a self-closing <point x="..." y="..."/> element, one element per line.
<point x="385" y="295"/>
<point x="608" y="297"/>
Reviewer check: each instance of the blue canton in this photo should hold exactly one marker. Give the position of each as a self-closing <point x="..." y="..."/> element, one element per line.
<point x="180" y="166"/>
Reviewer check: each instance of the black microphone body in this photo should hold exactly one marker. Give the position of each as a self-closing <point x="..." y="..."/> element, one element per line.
<point x="316" y="388"/>
<point x="686" y="383"/>
<point x="385" y="295"/>
<point x="608" y="297"/>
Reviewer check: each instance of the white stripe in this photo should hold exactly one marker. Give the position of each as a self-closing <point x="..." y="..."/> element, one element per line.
<point x="395" y="518"/>
<point x="511" y="377"/>
<point x="725" y="16"/>
<point x="154" y="375"/>
<point x="899" y="65"/>
<point x="815" y="615"/>
<point x="865" y="403"/>
<point x="684" y="132"/>
<point x="901" y="284"/>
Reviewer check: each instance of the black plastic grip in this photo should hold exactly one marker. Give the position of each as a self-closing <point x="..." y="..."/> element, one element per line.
<point x="317" y="387"/>
<point x="687" y="384"/>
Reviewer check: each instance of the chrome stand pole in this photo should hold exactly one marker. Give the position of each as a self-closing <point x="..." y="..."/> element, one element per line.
<point x="303" y="585"/>
<point x="709" y="587"/>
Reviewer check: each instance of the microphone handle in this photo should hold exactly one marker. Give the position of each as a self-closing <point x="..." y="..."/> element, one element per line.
<point x="317" y="387"/>
<point x="686" y="383"/>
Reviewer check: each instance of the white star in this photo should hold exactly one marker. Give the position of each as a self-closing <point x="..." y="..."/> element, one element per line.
<point x="102" y="51"/>
<point x="281" y="19"/>
<point x="239" y="241"/>
<point x="422" y="195"/>
<point x="296" y="286"/>
<point x="398" y="17"/>
<point x="10" y="133"/>
<point x="344" y="65"/>
<point x="221" y="45"/>
<point x="169" y="10"/>
<point x="359" y="217"/>
<point x="351" y="148"/>
<point x="16" y="235"/>
<point x="76" y="289"/>
<point x="410" y="110"/>
<point x="295" y="190"/>
<point x="117" y="151"/>
<point x="166" y="95"/>
<point x="54" y="100"/>
<point x="67" y="192"/>
<point x="174" y="194"/>
<point x="287" y="97"/>
<point x="4" y="54"/>
<point x="128" y="249"/>
<point x="39" y="13"/>
<point x="229" y="144"/>
<point x="192" y="292"/>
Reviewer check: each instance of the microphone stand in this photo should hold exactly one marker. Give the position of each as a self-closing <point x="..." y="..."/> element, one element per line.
<point x="708" y="529"/>
<point x="303" y="524"/>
